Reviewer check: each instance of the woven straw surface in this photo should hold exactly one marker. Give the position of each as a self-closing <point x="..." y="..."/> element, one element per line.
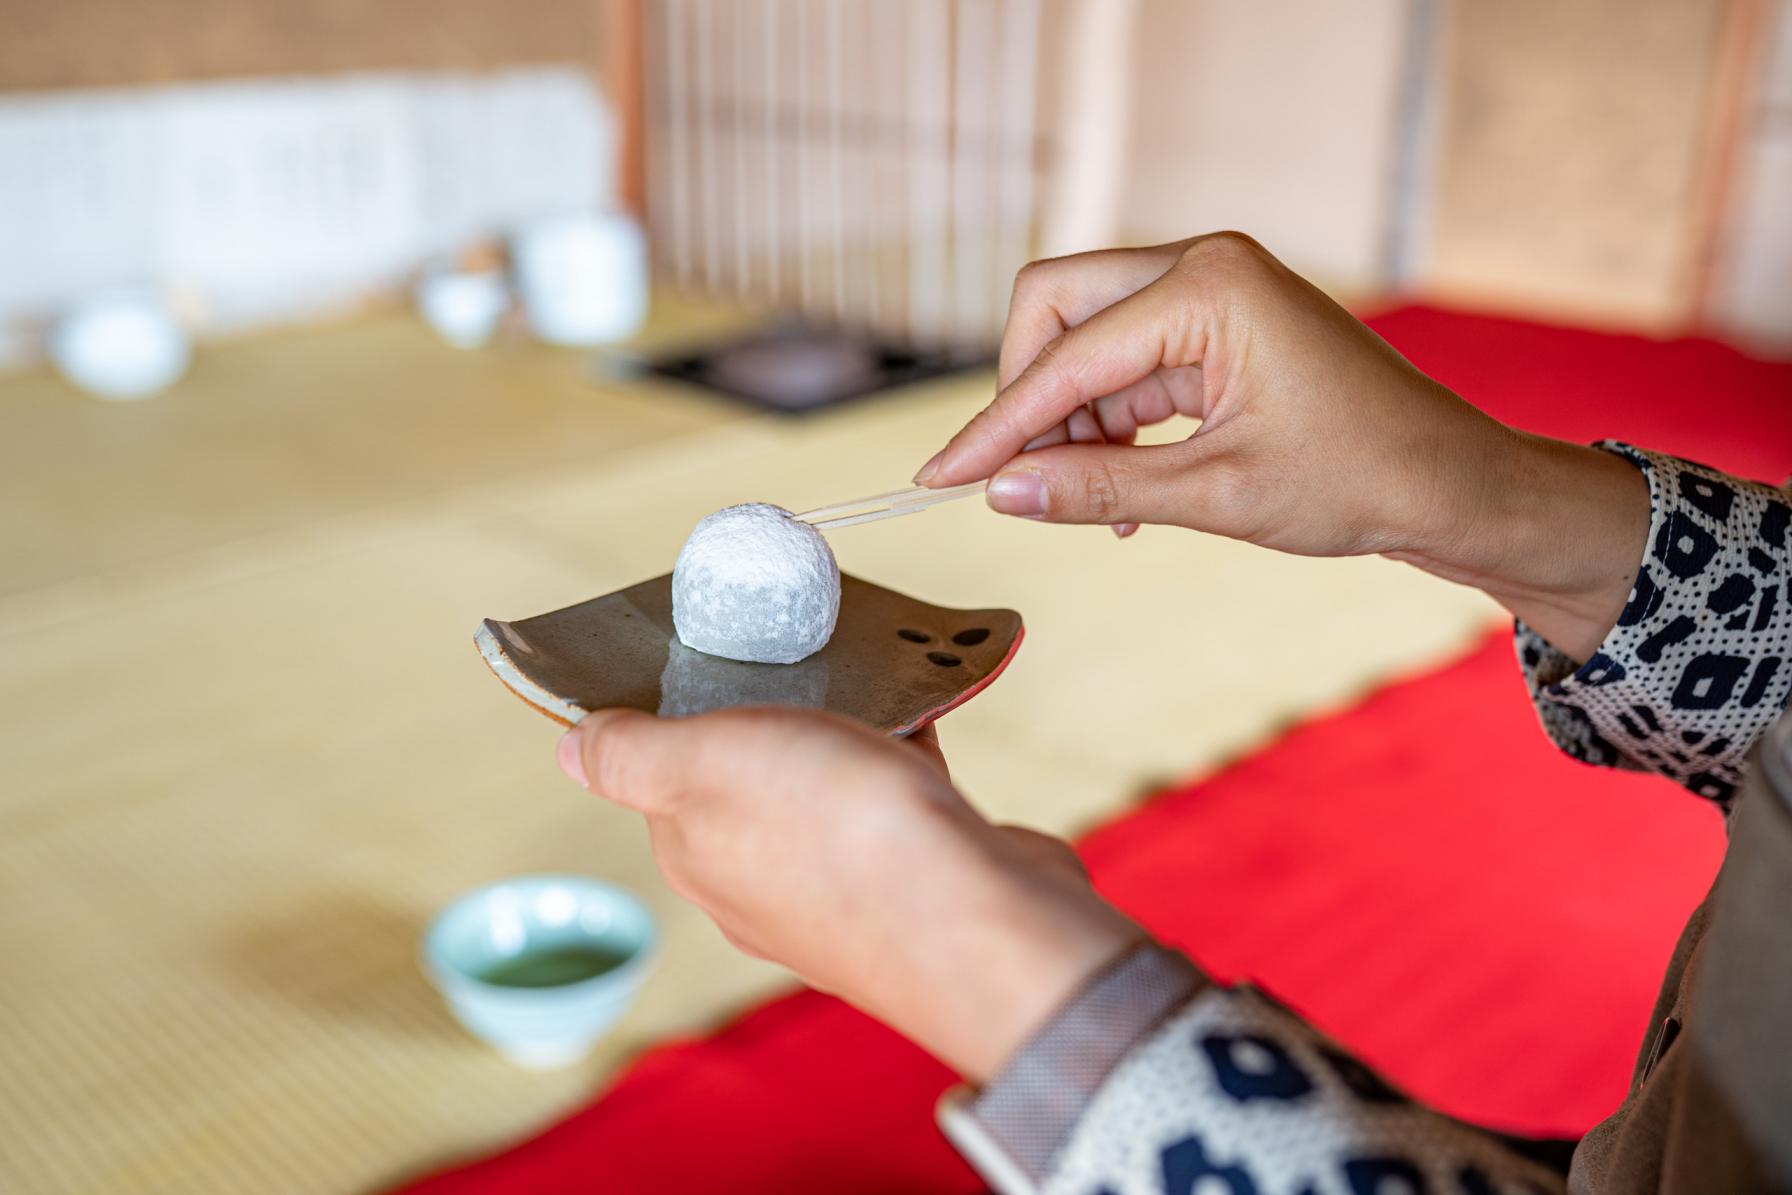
<point x="236" y="781"/>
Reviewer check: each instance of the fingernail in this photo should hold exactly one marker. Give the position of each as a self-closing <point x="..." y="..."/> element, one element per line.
<point x="1122" y="530"/>
<point x="571" y="758"/>
<point x="930" y="468"/>
<point x="1020" y="492"/>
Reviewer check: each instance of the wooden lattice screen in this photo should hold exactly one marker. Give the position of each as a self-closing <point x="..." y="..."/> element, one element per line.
<point x="863" y="164"/>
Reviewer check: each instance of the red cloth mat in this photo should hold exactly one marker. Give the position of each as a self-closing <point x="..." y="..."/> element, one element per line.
<point x="1422" y="875"/>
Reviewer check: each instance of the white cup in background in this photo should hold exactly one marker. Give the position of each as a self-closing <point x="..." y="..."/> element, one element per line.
<point x="583" y="279"/>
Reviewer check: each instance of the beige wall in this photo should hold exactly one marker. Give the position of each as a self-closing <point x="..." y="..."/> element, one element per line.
<point x="1277" y="118"/>
<point x="48" y="44"/>
<point x="1569" y="167"/>
<point x="1593" y="161"/>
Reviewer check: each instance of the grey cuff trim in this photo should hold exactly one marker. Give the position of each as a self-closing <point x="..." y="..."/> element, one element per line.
<point x="1029" y="1109"/>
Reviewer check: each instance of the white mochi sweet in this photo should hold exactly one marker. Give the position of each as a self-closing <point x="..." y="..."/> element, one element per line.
<point x="754" y="584"/>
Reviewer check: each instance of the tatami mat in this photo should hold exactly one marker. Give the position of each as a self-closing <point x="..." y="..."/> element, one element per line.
<point x="237" y="777"/>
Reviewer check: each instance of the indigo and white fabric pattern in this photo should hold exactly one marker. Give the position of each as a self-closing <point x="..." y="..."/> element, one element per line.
<point x="1700" y="662"/>
<point x="1029" y="1109"/>
<point x="1235" y="1095"/>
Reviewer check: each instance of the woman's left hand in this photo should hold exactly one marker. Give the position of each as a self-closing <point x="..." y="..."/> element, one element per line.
<point x="849" y="857"/>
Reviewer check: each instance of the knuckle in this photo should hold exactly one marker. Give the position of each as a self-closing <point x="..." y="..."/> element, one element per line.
<point x="1224" y="250"/>
<point x="613" y="770"/>
<point x="1028" y="275"/>
<point x="1237" y="245"/>
<point x="1101" y="492"/>
<point x="625" y="762"/>
<point x="1052" y="365"/>
<point x="1222" y="485"/>
<point x="1031" y="281"/>
<point x="1229" y="499"/>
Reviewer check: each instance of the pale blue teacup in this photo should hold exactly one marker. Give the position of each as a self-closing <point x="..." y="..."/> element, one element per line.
<point x="540" y="966"/>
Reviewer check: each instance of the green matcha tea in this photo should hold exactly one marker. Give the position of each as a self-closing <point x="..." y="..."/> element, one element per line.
<point x="554" y="967"/>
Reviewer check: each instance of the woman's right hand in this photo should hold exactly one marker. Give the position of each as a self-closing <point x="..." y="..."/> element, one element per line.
<point x="1316" y="437"/>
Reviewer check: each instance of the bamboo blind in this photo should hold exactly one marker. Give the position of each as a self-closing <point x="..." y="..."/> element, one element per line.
<point x="869" y="166"/>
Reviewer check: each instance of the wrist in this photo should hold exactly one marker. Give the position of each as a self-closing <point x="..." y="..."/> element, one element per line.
<point x="1463" y="509"/>
<point x="1553" y="531"/>
<point x="1579" y="528"/>
<point x="1021" y="948"/>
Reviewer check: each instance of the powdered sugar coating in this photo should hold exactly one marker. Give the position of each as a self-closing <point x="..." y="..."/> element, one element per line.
<point x="754" y="584"/>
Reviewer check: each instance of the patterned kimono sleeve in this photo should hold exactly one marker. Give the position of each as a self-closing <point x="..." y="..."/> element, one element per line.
<point x="1154" y="1079"/>
<point x="1237" y="1094"/>
<point x="1700" y="661"/>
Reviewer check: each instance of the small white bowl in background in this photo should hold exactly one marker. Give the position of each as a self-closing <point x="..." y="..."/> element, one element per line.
<point x="120" y="345"/>
<point x="463" y="306"/>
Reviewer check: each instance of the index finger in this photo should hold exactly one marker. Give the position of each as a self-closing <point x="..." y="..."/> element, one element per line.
<point x="1058" y="293"/>
<point x="1111" y="350"/>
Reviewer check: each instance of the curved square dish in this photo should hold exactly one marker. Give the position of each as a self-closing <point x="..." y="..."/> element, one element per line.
<point x="894" y="662"/>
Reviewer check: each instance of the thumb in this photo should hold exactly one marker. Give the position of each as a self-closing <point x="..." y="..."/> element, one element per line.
<point x="629" y="757"/>
<point x="1101" y="483"/>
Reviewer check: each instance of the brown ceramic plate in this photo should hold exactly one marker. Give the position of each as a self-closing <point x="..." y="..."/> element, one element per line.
<point x="894" y="662"/>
